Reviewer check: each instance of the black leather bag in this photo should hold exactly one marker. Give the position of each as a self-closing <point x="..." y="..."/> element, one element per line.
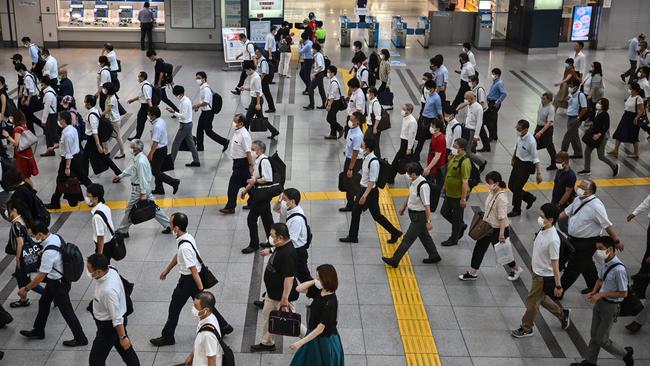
<point x="228" y="357"/>
<point x="261" y="193"/>
<point x="168" y="163"/>
<point x="346" y="183"/>
<point x="208" y="279"/>
<point x="285" y="323"/>
<point x="116" y="247"/>
<point x="257" y="125"/>
<point x="142" y="211"/>
<point x="588" y="138"/>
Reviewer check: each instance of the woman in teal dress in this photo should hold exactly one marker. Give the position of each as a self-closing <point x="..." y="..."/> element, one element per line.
<point x="322" y="344"/>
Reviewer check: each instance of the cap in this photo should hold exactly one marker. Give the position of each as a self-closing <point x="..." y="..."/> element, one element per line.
<point x="17" y="57"/>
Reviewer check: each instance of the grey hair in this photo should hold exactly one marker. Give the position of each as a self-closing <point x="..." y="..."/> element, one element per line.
<point x="591" y="185"/>
<point x="206" y="299"/>
<point x="138" y="144"/>
<point x="260" y="144"/>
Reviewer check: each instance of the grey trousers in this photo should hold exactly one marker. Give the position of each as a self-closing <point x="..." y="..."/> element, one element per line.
<point x="603" y="315"/>
<point x="644" y="316"/>
<point x="572" y="137"/>
<point x="161" y="216"/>
<point x="417" y="229"/>
<point x="185" y="134"/>
<point x="601" y="155"/>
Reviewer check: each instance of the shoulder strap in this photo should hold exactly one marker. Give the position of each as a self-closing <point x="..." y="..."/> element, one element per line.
<point x="210" y="328"/>
<point x="420" y="186"/>
<point x="583" y="205"/>
<point x="612" y="267"/>
<point x="494" y="200"/>
<point x="297" y="214"/>
<point x="94" y="114"/>
<point x="195" y="252"/>
<point x="101" y="214"/>
<point x="259" y="167"/>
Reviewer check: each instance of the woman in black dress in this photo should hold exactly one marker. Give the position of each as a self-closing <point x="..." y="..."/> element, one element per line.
<point x="322" y="344"/>
<point x="628" y="129"/>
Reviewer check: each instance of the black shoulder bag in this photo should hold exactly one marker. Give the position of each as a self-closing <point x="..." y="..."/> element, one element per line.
<point x="228" y="355"/>
<point x="116" y="247"/>
<point x="208" y="279"/>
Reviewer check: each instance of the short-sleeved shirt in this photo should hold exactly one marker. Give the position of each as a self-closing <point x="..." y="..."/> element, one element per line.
<point x="362" y="75"/>
<point x="187" y="254"/>
<point x="281" y="264"/>
<point x="453" y="132"/>
<point x="240" y="144"/>
<point x="334" y="91"/>
<point x="269" y="42"/>
<point x="418" y="200"/>
<point x="319" y="61"/>
<point x="616" y="279"/>
<point x="51" y="260"/>
<point x="99" y="225"/>
<point x="456" y="173"/>
<point x="496" y="209"/>
<point x="158" y="67"/>
<point x="323" y="310"/>
<point x="369" y="170"/>
<point x="545" y="249"/>
<point x="357" y="102"/>
<point x="577" y="101"/>
<point x="438" y="145"/>
<point x="632" y="103"/>
<point x="112" y="58"/>
<point x="249" y="51"/>
<point x="206" y="97"/>
<point x="262" y="164"/>
<point x="442" y="76"/>
<point x="206" y="343"/>
<point x="262" y="66"/>
<point x="159" y="133"/>
<point x="590" y="220"/>
<point x="146" y="90"/>
<point x="256" y="85"/>
<point x="545" y="114"/>
<point x="353" y="141"/>
<point x="645" y="86"/>
<point x="114" y="116"/>
<point x="562" y="181"/>
<point x="103" y="76"/>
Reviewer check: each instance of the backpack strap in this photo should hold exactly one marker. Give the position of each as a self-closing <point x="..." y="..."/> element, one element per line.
<point x="150" y="86"/>
<point x="213" y="330"/>
<point x="420" y="186"/>
<point x="103" y="216"/>
<point x="610" y="268"/>
<point x="297" y="214"/>
<point x="195" y="251"/>
<point x="259" y="167"/>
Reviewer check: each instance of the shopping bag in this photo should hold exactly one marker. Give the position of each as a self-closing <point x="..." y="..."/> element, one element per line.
<point x="504" y="253"/>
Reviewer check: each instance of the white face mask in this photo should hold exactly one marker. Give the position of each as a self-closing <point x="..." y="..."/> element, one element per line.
<point x="467" y="101"/>
<point x="559" y="166"/>
<point x="602" y="255"/>
<point x="271" y="241"/>
<point x="540" y="221"/>
<point x="35" y="239"/>
<point x="88" y="201"/>
<point x="234" y="125"/>
<point x="318" y="284"/>
<point x="283" y="205"/>
<point x="403" y="113"/>
<point x="195" y="311"/>
<point x="350" y="125"/>
<point x="599" y="107"/>
<point x="432" y="130"/>
<point x="573" y="90"/>
<point x="254" y="154"/>
<point x="104" y="91"/>
<point x="59" y="124"/>
<point x="494" y="77"/>
<point x="199" y="81"/>
<point x="90" y="275"/>
<point x="580" y="192"/>
<point x="454" y="151"/>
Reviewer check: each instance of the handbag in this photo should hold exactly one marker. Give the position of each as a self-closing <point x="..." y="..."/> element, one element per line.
<point x="346" y="183"/>
<point x="479" y="228"/>
<point x="266" y="192"/>
<point x="285" y="323"/>
<point x="631" y="304"/>
<point x="208" y="279"/>
<point x="117" y="249"/>
<point x="70" y="186"/>
<point x="142" y="211"/>
<point x="168" y="163"/>
<point x="403" y="161"/>
<point x="503" y="251"/>
<point x="588" y="138"/>
<point x="258" y="125"/>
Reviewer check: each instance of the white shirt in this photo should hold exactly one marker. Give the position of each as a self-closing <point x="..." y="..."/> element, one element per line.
<point x="249" y="51"/>
<point x="112" y="58"/>
<point x="114" y="116"/>
<point x="481" y="96"/>
<point x="297" y="227"/>
<point x="109" y="301"/>
<point x="374" y="107"/>
<point x="49" y="103"/>
<point x="51" y="260"/>
<point x="580" y="63"/>
<point x="159" y="133"/>
<point x="186" y="256"/>
<point x="240" y="143"/>
<point x="262" y="66"/>
<point x="526" y="149"/>
<point x="92" y="126"/>
<point x="255" y="85"/>
<point x="69" y="143"/>
<point x="184" y="114"/>
<point x="590" y="221"/>
<point x="369" y="169"/>
<point x="334" y="91"/>
<point x="643" y="206"/>
<point x="319" y="62"/>
<point x="146" y="90"/>
<point x="417" y="202"/>
<point x="632" y="48"/>
<point x="357" y="102"/>
<point x="269" y="42"/>
<point x="645" y="86"/>
<point x="409" y="130"/>
<point x="472" y="58"/>
<point x="99" y="226"/>
<point x="31" y="87"/>
<point x="267" y="169"/>
<point x="452" y="133"/>
<point x="466" y="71"/>
<point x="103" y="76"/>
<point x="206" y="97"/>
<point x="545" y="248"/>
<point x="632" y="103"/>
<point x="474" y="119"/>
<point x="362" y="75"/>
<point x="206" y="343"/>
<point x="51" y="67"/>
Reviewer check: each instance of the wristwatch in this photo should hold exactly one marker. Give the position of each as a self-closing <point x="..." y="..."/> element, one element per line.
<point x="558" y="287"/>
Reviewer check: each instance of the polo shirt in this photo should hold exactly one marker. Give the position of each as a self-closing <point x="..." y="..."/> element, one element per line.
<point x="281" y="264"/>
<point x="563" y="180"/>
<point x="616" y="279"/>
<point x="353" y="141"/>
<point x="187" y="255"/>
<point x="545" y="249"/>
<point x="456" y="174"/>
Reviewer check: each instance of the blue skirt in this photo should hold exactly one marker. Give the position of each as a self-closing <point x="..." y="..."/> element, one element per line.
<point x="322" y="351"/>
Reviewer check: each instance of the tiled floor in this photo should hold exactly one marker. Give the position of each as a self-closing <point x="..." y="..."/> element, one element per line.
<point x="470" y="321"/>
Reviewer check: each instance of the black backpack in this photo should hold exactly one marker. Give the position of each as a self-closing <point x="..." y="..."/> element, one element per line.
<point x="73" y="260"/>
<point x="41" y="212"/>
<point x="156" y="94"/>
<point x="228" y="358"/>
<point x="385" y="172"/>
<point x="279" y="169"/>
<point x="475" y="175"/>
<point x="168" y="70"/>
<point x="217" y="103"/>
<point x="327" y="62"/>
<point x="434" y="194"/>
<point x="309" y="234"/>
<point x="128" y="290"/>
<point x="114" y="80"/>
<point x="11" y="106"/>
<point x="105" y="128"/>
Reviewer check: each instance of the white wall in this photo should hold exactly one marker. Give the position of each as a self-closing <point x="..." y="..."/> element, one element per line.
<point x="624" y="20"/>
<point x="210" y="38"/>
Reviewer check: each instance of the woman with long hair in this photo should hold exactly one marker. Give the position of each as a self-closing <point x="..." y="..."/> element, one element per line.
<point x="25" y="161"/>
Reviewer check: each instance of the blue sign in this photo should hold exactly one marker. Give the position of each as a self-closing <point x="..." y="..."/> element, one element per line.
<point x="581" y="26"/>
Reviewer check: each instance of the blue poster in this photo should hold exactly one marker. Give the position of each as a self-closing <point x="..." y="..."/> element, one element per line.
<point x="581" y="23"/>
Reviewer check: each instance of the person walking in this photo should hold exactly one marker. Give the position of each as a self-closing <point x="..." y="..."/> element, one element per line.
<point x="242" y="162"/>
<point x="580" y="59"/>
<point x="184" y="134"/>
<point x="544" y="129"/>
<point x="146" y="19"/>
<point x="158" y="153"/>
<point x="546" y="274"/>
<point x="407" y="137"/>
<point x="563" y="91"/>
<point x="29" y="97"/>
<point x="104" y="76"/>
<point x="110" y="312"/>
<point x="608" y="293"/>
<point x="441" y="77"/>
<point x="207" y="348"/>
<point x="255" y="107"/>
<point x="632" y="55"/>
<point x="25" y="161"/>
<point x="456" y="188"/>
<point x="367" y="197"/>
<point x="50" y="68"/>
<point x="431" y="109"/>
<point x="316" y="78"/>
<point x="628" y="128"/>
<point x="419" y="210"/>
<point x="472" y="128"/>
<point x="145" y="99"/>
<point x="645" y="260"/>
<point x="189" y="284"/>
<point x="599" y="133"/>
<point x="112" y="113"/>
<point x="495" y="97"/>
<point x="594" y="85"/>
<point x="94" y="152"/>
<point x="102" y="220"/>
<point x="161" y="79"/>
<point x="563" y="184"/>
<point x="247" y="55"/>
<point x="322" y="344"/>
<point x="264" y="71"/>
<point x="466" y="70"/>
<point x="437" y="158"/>
<point x="141" y="177"/>
<point x="577" y="110"/>
<point x="525" y="162"/>
<point x="259" y="206"/>
<point x="49" y="115"/>
<point x="207" y="114"/>
<point x="384" y="72"/>
<point x="334" y="96"/>
<point x="374" y="113"/>
<point x="307" y="59"/>
<point x="353" y="162"/>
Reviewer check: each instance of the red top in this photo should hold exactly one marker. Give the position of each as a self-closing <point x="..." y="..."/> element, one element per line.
<point x="438" y="144"/>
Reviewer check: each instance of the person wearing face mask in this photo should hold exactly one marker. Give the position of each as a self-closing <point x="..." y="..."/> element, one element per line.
<point x="632" y="55"/>
<point x="141" y="177"/>
<point x="580" y="59"/>
<point x="454" y="130"/>
<point x="29" y="97"/>
<point x="384" y="71"/>
<point x="94" y="152"/>
<point x="184" y="133"/>
<point x="465" y="72"/>
<point x="25" y="161"/>
<point x="71" y="160"/>
<point x="456" y="188"/>
<point x="495" y="97"/>
<point x="407" y="137"/>
<point x="111" y="112"/>
<point x="599" y="133"/>
<point x="307" y="57"/>
<point x="643" y="74"/>
<point x="66" y="88"/>
<point x="247" y="55"/>
<point x="437" y="158"/>
<point x="190" y="264"/>
<point x="255" y="106"/>
<point x="645" y="260"/>
<point x="334" y="95"/>
<point x="587" y="220"/>
<point x="207" y="114"/>
<point x="56" y="291"/>
<point x="628" y="128"/>
<point x="161" y="79"/>
<point x="467" y="48"/>
<point x="102" y="220"/>
<point x="51" y="68"/>
<point x="608" y="293"/>
<point x="264" y="70"/>
<point x="546" y="274"/>
<point x="357" y="100"/>
<point x="472" y="128"/>
<point x="431" y="110"/>
<point x="560" y="100"/>
<point x="373" y="111"/>
<point x="262" y="175"/>
<point x="525" y="162"/>
<point x="16" y="59"/>
<point x="279" y="281"/>
<point x="441" y="76"/>
<point x="594" y="85"/>
<point x="367" y="197"/>
<point x="419" y="210"/>
<point x="424" y="92"/>
<point x="353" y="162"/>
<point x="110" y="313"/>
<point x="49" y="115"/>
<point x="207" y="349"/>
<point x="103" y="77"/>
<point x="158" y="153"/>
<point x="563" y="184"/>
<point x="243" y="162"/>
<point x="577" y="111"/>
<point x="316" y="78"/>
<point x="544" y="128"/>
<point x="144" y="98"/>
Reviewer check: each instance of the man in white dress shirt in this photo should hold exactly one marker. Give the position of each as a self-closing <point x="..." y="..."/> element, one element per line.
<point x="472" y="129"/>
<point x="29" y="95"/>
<point x="49" y="115"/>
<point x="242" y="162"/>
<point x="207" y="114"/>
<point x="317" y="74"/>
<point x="465" y="72"/>
<point x="264" y="71"/>
<point x="144" y="98"/>
<point x="207" y="349"/>
<point x="51" y="68"/>
<point x="110" y="311"/>
<point x="579" y="59"/>
<point x="102" y="220"/>
<point x="255" y="107"/>
<point x="525" y="161"/>
<point x="332" y="107"/>
<point x="184" y="133"/>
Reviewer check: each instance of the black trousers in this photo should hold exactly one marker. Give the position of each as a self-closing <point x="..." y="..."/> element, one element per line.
<point x="645" y="266"/>
<point x="631" y="72"/>
<point x="141" y="120"/>
<point x="240" y="175"/>
<point x="100" y="162"/>
<point x="417" y="229"/>
<point x="252" y="112"/>
<point x="581" y="263"/>
<point x="258" y="209"/>
<point x="52" y="130"/>
<point x="205" y="127"/>
<point x="302" y="269"/>
<point x="57" y="292"/>
<point x="76" y="170"/>
<point x="156" y="169"/>
<point x="146" y="30"/>
<point x="164" y="99"/>
<point x="351" y="191"/>
<point x="375" y="136"/>
<point x="482" y="245"/>
<point x="491" y="119"/>
<point x="546" y="142"/>
<point x="30" y="117"/>
<point x="403" y="146"/>
<point x="317" y="82"/>
<point x="460" y="96"/>
<point x="372" y="204"/>
<point x="305" y="72"/>
<point x="519" y="175"/>
<point x="453" y="213"/>
<point x="185" y="289"/>
<point x="335" y="127"/>
<point x="266" y="90"/>
<point x="106" y="339"/>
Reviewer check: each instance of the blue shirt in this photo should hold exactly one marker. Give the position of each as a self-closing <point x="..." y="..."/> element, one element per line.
<point x="616" y="279"/>
<point x="577" y="101"/>
<point x="497" y="91"/>
<point x="145" y="15"/>
<point x="305" y="50"/>
<point x="33" y="52"/>
<point x="442" y="76"/>
<point x="353" y="142"/>
<point x="432" y="106"/>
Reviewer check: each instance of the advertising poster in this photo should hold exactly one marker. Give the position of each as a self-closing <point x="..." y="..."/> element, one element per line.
<point x="232" y="46"/>
<point x="269" y="8"/>
<point x="259" y="30"/>
<point x="581" y="23"/>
